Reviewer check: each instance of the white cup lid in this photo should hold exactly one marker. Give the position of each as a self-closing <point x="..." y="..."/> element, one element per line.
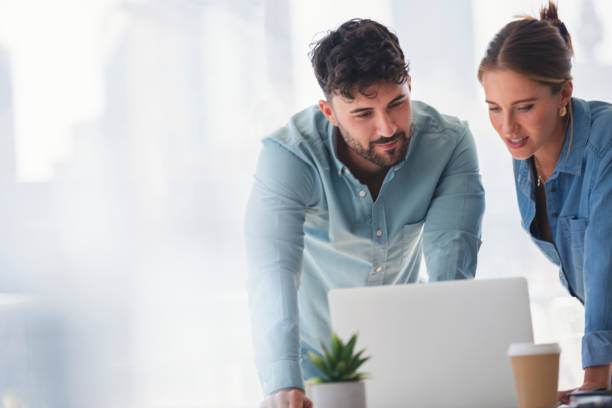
<point x="528" y="349"/>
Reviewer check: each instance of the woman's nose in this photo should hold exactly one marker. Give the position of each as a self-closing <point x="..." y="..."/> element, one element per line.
<point x="508" y="125"/>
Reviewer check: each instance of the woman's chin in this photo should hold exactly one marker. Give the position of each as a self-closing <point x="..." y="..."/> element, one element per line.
<point x="520" y="155"/>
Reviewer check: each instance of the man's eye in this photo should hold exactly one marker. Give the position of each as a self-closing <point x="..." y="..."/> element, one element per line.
<point x="494" y="109"/>
<point x="396" y="104"/>
<point x="526" y="108"/>
<point x="364" y="114"/>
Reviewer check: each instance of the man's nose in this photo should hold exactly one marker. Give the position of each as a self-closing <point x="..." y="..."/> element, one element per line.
<point x="386" y="125"/>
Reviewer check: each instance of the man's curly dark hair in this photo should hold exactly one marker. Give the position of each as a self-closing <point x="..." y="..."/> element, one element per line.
<point x="357" y="54"/>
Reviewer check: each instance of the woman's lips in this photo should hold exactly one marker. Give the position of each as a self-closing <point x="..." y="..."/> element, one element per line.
<point x="516" y="143"/>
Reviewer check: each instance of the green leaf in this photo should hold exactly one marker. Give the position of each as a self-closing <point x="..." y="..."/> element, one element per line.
<point x="338" y="362"/>
<point x="329" y="359"/>
<point x="315" y="380"/>
<point x="347" y="353"/>
<point x="354" y="361"/>
<point x="337" y="346"/>
<point x="358" y="377"/>
<point x="359" y="362"/>
<point x="341" y="368"/>
<point x="320" y="363"/>
<point x="362" y="376"/>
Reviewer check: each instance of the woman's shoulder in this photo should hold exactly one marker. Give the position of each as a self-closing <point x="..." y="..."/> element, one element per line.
<point x="601" y="114"/>
<point x="600" y="129"/>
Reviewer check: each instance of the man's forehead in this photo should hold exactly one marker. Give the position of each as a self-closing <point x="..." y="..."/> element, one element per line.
<point x="381" y="91"/>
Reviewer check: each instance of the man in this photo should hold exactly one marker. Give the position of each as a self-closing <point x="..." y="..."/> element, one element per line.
<point x="351" y="193"/>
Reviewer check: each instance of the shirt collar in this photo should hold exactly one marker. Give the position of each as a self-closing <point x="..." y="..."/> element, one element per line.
<point x="332" y="136"/>
<point x="571" y="157"/>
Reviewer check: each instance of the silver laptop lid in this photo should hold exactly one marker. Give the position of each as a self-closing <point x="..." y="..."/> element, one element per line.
<point x="437" y="344"/>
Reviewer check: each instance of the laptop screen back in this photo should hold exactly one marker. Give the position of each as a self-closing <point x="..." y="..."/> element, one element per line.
<point x="436" y="344"/>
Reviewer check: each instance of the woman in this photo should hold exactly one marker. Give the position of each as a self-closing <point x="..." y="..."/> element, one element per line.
<point x="562" y="154"/>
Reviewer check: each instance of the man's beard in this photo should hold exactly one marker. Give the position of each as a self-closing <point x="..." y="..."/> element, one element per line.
<point x="384" y="159"/>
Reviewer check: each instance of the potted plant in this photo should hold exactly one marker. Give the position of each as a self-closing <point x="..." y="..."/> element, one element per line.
<point x="340" y="384"/>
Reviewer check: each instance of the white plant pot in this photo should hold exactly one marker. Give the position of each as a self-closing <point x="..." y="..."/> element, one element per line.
<point x="339" y="395"/>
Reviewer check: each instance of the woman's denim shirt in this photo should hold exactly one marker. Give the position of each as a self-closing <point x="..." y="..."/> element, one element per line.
<point x="579" y="207"/>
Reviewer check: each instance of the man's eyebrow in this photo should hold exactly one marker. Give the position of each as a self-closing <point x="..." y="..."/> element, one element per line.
<point x="396" y="99"/>
<point x="360" y="110"/>
<point x="515" y="102"/>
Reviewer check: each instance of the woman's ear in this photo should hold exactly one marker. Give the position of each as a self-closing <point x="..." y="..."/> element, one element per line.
<point x="566" y="93"/>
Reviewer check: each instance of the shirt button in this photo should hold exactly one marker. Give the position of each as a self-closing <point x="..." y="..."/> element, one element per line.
<point x="378" y="233"/>
<point x="554" y="215"/>
<point x="362" y="193"/>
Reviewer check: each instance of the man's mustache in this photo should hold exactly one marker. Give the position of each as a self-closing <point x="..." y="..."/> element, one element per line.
<point x="384" y="140"/>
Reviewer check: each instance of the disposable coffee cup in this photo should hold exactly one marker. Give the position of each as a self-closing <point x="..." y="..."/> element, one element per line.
<point x="536" y="373"/>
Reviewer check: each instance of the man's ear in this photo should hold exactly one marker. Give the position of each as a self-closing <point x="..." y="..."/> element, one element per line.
<point x="328" y="112"/>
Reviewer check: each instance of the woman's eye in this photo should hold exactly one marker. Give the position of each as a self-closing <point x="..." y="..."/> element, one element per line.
<point x="494" y="109"/>
<point x="525" y="108"/>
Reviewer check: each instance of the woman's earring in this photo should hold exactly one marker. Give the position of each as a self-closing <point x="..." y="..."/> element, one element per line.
<point x="563" y="111"/>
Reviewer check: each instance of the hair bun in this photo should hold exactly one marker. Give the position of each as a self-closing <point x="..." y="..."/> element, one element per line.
<point x="551" y="15"/>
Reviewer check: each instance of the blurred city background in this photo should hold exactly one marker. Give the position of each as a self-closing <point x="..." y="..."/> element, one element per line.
<point x="129" y="132"/>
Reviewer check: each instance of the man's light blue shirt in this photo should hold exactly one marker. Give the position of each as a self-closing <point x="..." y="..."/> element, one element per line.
<point x="311" y="226"/>
<point x="579" y="207"/>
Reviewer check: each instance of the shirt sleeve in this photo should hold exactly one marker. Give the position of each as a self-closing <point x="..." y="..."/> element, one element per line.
<point x="451" y="237"/>
<point x="274" y="236"/>
<point x="597" y="340"/>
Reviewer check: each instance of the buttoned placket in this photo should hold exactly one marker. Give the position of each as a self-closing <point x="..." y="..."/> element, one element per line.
<point x="551" y="186"/>
<point x="377" y="221"/>
<point x="552" y="204"/>
<point x="378" y="227"/>
<point x="379" y="243"/>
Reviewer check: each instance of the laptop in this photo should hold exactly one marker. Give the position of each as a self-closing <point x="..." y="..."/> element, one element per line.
<point x="437" y="344"/>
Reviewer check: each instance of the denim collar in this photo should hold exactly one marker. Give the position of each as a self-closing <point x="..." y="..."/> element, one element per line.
<point x="572" y="163"/>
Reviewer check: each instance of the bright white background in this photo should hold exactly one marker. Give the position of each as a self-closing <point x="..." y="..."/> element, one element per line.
<point x="129" y="132"/>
